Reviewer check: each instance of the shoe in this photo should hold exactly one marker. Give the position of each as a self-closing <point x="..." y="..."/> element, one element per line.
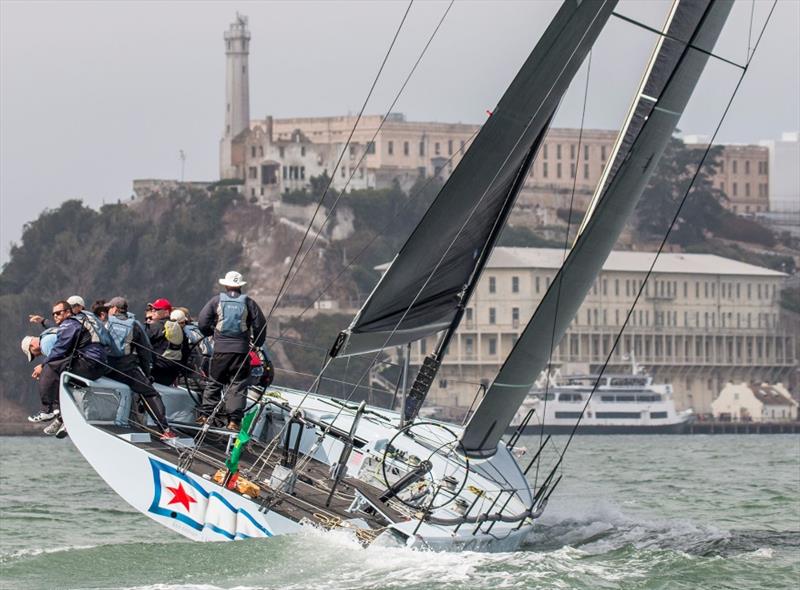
<point x="62" y="430"/>
<point x="54" y="427"/>
<point x="233" y="426"/>
<point x="44" y="416"/>
<point x="168" y="435"/>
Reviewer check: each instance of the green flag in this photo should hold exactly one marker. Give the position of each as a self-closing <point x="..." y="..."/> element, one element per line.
<point x="232" y="462"/>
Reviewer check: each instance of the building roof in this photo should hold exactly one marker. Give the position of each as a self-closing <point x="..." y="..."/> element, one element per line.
<point x="618" y="260"/>
<point x="769" y="396"/>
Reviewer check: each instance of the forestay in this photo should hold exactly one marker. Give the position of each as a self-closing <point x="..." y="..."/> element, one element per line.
<point x="431" y="276"/>
<point x="692" y="29"/>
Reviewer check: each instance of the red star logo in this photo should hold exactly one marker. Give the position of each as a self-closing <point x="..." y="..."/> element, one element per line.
<point x="179" y="496"/>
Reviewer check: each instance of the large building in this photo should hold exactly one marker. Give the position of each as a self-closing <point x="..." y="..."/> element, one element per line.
<point x="702" y="320"/>
<point x="274" y="155"/>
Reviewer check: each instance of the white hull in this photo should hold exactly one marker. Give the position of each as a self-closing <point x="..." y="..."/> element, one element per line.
<point x="144" y="472"/>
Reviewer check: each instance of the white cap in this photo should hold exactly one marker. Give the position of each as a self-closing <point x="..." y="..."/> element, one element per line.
<point x="232" y="279"/>
<point x="26" y="347"/>
<point x="177" y="315"/>
<point x="76" y="300"/>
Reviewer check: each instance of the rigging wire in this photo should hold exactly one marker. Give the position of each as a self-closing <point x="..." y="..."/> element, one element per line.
<point x="338" y="163"/>
<point x="563" y="259"/>
<point x="669" y="230"/>
<point x="356" y="167"/>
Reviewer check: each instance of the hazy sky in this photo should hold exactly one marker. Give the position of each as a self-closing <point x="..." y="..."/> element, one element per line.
<point x="96" y="94"/>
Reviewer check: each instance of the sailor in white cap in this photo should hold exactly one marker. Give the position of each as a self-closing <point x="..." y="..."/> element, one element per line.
<point x="235" y="320"/>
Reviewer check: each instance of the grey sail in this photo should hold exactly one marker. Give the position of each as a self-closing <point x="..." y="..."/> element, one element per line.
<point x="692" y="29"/>
<point x="421" y="291"/>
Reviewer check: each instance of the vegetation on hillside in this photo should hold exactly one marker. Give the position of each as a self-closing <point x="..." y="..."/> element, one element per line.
<point x="165" y="247"/>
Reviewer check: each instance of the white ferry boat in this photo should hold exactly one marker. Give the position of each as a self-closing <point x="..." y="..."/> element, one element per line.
<point x="622" y="404"/>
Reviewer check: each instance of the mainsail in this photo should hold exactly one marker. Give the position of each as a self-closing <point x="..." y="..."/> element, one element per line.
<point x="691" y="30"/>
<point x="432" y="274"/>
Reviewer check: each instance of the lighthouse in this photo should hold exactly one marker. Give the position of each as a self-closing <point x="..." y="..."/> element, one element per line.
<point x="237" y="92"/>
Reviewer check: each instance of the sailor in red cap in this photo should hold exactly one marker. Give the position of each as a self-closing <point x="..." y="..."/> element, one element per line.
<point x="164" y="370"/>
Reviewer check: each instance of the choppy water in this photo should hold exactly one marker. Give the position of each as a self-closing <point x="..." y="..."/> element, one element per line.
<point x="632" y="512"/>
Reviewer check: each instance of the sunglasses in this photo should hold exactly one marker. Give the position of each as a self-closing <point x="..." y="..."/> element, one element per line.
<point x="58" y="312"/>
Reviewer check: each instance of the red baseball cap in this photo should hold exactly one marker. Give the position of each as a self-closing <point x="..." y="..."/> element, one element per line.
<point x="161" y="304"/>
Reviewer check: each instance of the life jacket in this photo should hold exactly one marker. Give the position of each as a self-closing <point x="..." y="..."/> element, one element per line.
<point x="198" y="341"/>
<point x="47" y="340"/>
<point x="232" y="315"/>
<point x="121" y="332"/>
<point x="173" y="333"/>
<point x="97" y="332"/>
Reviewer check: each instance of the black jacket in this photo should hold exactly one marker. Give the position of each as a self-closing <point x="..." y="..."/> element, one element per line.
<point x="256" y="324"/>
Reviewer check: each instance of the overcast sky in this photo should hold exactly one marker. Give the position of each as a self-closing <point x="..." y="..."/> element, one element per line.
<point x="97" y="94"/>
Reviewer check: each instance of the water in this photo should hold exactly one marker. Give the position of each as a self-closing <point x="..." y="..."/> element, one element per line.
<point x="631" y="512"/>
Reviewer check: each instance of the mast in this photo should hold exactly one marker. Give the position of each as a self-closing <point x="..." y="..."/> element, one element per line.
<point x="678" y="60"/>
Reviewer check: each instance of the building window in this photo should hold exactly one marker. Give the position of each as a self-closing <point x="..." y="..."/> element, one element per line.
<point x="302" y="151"/>
<point x="537" y="284"/>
<point x="370" y="147"/>
<point x="586" y="152"/>
<point x="616" y="287"/>
<point x="515" y="317"/>
<point x="422" y="148"/>
<point x="344" y="171"/>
<point x="585" y="171"/>
<point x="746" y="189"/>
<point x="544" y="151"/>
<point x="423" y="346"/>
<point x="284" y="172"/>
<point x="302" y="172"/>
<point x="558" y="151"/>
<point x="572" y="151"/>
<point x="261" y="151"/>
<point x="461" y="149"/>
<point x="436" y="149"/>
<point x="252" y="151"/>
<point x="492" y="285"/>
<point x="492" y="345"/>
<point x="515" y="284"/>
<point x="280" y="152"/>
<point x="391" y="148"/>
<point x="747" y="166"/>
<point x="468" y="314"/>
<point x="603" y="153"/>
<point x="544" y="169"/>
<point x="572" y="170"/>
<point x="405" y="148"/>
<point x="734" y="166"/>
<point x="469" y="346"/>
<point x="253" y="172"/>
<point x="449" y="147"/>
<point x="558" y="170"/>
<point x="492" y="315"/>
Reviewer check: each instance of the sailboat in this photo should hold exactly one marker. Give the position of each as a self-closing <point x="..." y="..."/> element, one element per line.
<point x="310" y="460"/>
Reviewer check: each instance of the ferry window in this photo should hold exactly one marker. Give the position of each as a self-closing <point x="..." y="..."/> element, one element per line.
<point x="625" y="398"/>
<point x="607" y="398"/>
<point x="515" y="284"/>
<point x="620" y="415"/>
<point x="541" y="396"/>
<point x="657" y="415"/>
<point x="568" y="415"/>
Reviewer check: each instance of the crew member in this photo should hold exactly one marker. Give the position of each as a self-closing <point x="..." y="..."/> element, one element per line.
<point x="78" y="349"/>
<point x="130" y="361"/>
<point x="234" y="319"/>
<point x="165" y="371"/>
